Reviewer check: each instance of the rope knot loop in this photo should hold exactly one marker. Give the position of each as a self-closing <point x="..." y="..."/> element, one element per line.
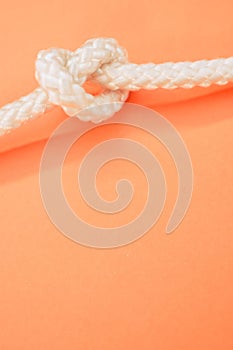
<point x="61" y="74"/>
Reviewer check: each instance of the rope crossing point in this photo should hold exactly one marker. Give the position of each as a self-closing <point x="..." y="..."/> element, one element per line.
<point x="61" y="74"/>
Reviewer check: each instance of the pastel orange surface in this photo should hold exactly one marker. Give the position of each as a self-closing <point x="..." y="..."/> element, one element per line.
<point x="161" y="292"/>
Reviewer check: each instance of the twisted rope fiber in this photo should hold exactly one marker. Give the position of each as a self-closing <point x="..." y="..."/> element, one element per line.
<point x="61" y="74"/>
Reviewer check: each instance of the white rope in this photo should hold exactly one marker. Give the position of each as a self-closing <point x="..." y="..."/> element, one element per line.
<point x="61" y="74"/>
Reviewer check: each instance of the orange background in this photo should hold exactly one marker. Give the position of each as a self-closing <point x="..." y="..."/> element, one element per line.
<point x="161" y="292"/>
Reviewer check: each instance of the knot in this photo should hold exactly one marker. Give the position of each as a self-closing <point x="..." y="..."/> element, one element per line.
<point x="61" y="74"/>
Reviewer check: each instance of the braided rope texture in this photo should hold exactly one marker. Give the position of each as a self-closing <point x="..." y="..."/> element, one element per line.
<point x="61" y="74"/>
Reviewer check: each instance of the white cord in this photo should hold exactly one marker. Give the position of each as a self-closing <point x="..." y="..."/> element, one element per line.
<point x="61" y="74"/>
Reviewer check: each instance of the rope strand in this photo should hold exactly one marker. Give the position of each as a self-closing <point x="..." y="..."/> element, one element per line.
<point x="61" y="74"/>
